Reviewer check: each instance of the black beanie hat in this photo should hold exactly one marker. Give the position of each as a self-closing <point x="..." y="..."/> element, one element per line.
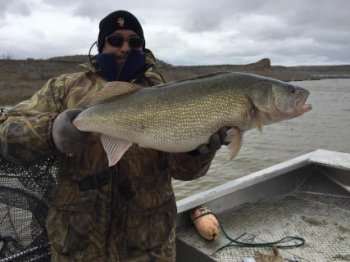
<point x="118" y="20"/>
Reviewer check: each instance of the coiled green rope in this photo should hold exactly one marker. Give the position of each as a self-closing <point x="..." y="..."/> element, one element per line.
<point x="236" y="243"/>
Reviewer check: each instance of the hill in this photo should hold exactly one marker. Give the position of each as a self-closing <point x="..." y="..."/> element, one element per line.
<point x="19" y="79"/>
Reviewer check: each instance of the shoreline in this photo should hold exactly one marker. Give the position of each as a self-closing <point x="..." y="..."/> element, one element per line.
<point x="8" y="96"/>
<point x="20" y="79"/>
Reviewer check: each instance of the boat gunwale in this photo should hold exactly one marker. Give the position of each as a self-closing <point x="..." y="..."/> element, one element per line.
<point x="319" y="157"/>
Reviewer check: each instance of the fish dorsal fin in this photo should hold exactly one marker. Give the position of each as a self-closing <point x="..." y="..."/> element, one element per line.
<point x="115" y="148"/>
<point x="235" y="137"/>
<point x="110" y="90"/>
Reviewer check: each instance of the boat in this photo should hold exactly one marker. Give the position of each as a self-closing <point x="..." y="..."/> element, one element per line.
<point x="301" y="206"/>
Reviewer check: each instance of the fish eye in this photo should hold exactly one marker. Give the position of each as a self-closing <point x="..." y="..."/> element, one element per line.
<point x="292" y="89"/>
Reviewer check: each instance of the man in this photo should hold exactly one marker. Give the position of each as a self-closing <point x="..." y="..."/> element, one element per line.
<point x="96" y="213"/>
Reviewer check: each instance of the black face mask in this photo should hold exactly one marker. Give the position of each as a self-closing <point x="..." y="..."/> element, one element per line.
<point x="134" y="64"/>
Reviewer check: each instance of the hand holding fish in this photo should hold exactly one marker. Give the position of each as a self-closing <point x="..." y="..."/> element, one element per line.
<point x="215" y="142"/>
<point x="66" y="137"/>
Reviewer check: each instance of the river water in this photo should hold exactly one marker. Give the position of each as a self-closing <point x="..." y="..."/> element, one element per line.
<point x="326" y="126"/>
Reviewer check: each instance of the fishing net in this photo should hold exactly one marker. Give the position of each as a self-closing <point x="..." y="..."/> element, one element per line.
<point x="23" y="209"/>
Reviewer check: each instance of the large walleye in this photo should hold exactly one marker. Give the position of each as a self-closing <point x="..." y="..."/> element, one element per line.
<point x="180" y="116"/>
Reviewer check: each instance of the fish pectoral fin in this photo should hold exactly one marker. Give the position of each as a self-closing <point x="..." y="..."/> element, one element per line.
<point x="115" y="148"/>
<point x="110" y="90"/>
<point x="235" y="137"/>
<point x="259" y="122"/>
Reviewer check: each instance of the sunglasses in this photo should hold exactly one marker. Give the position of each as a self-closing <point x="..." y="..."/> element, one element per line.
<point x="118" y="41"/>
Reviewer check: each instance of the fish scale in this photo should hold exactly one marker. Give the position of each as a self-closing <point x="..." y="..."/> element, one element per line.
<point x="180" y="116"/>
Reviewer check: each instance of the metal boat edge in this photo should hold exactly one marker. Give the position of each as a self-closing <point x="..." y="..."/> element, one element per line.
<point x="320" y="157"/>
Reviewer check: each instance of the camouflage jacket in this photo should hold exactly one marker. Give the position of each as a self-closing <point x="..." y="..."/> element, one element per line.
<point x="98" y="213"/>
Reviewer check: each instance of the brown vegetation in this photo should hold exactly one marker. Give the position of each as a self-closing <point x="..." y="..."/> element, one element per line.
<point x="19" y="79"/>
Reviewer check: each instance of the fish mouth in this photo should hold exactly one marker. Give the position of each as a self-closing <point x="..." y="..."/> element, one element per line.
<point x="305" y="108"/>
<point x="301" y="105"/>
<point x="291" y="107"/>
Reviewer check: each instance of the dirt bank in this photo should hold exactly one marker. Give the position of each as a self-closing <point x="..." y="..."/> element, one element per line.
<point x="19" y="79"/>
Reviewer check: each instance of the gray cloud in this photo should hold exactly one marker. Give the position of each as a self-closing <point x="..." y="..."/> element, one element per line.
<point x="195" y="31"/>
<point x="20" y="7"/>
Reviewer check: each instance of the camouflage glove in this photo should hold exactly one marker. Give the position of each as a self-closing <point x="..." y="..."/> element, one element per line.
<point x="215" y="142"/>
<point x="66" y="137"/>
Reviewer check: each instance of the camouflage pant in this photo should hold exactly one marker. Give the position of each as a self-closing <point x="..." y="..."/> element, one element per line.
<point x="80" y="231"/>
<point x="165" y="253"/>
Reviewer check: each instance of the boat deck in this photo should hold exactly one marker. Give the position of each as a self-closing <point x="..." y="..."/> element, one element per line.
<point x="308" y="197"/>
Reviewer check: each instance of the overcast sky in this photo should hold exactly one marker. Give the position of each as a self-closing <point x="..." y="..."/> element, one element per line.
<point x="188" y="32"/>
